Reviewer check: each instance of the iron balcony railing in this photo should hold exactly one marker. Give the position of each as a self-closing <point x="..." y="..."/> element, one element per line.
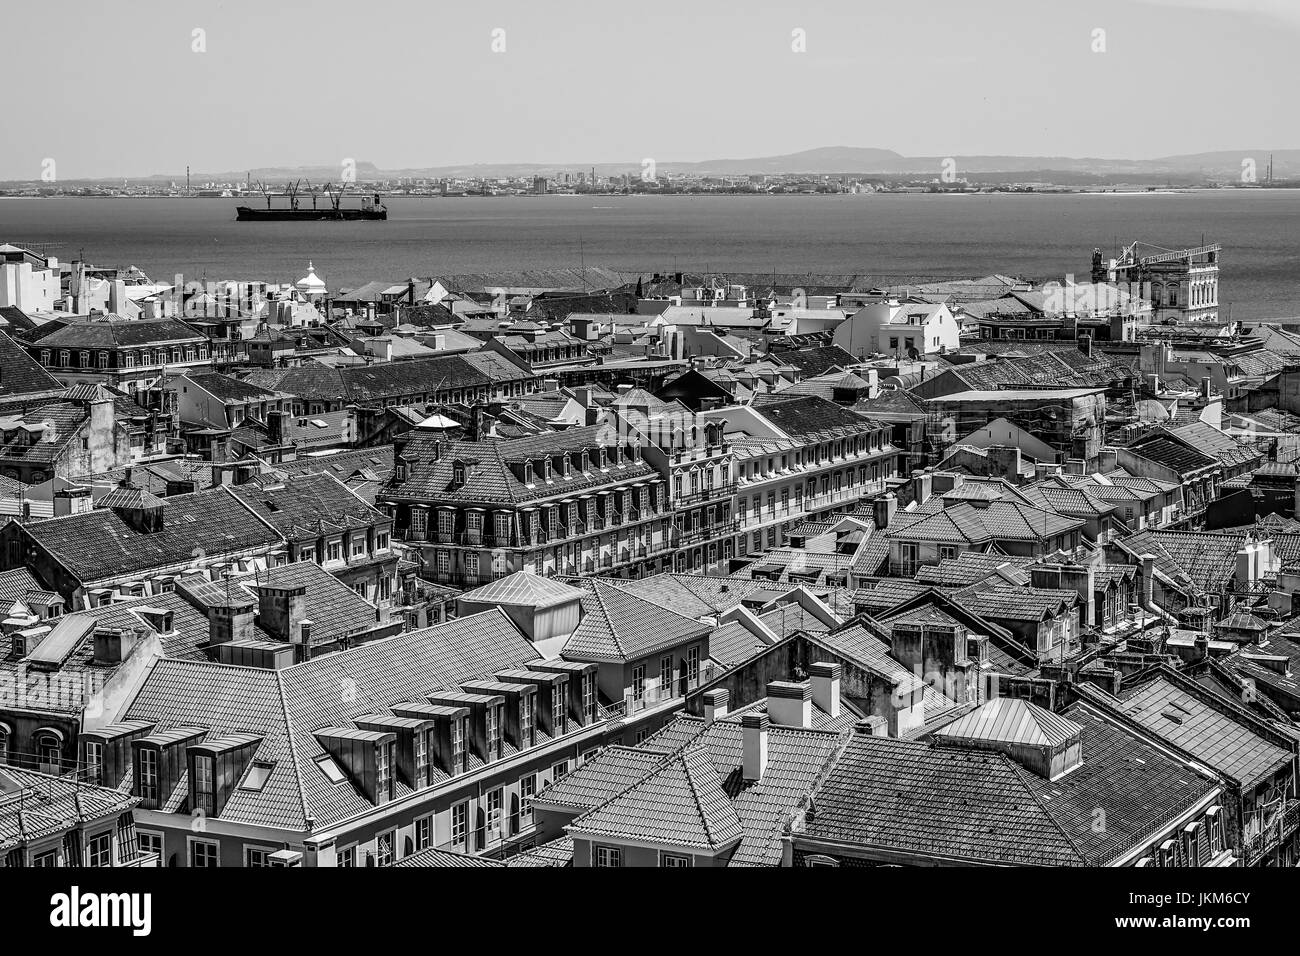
<point x="716" y="493"/>
<point x="1273" y="832"/>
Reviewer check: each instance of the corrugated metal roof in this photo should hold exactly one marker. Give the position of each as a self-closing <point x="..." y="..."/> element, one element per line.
<point x="1009" y="720"/>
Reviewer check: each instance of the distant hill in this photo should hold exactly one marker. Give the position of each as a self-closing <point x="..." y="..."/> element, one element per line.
<point x="1223" y="166"/>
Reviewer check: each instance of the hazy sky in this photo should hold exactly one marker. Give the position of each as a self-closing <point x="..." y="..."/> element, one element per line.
<point x="116" y="89"/>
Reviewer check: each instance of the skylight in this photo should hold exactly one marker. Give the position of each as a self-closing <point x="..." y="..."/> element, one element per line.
<point x="257" y="776"/>
<point x="330" y="769"/>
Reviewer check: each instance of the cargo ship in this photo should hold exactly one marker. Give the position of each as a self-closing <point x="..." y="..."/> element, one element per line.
<point x="295" y="211"/>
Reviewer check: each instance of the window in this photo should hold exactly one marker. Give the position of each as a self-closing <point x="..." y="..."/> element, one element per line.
<point x="50" y="753"/>
<point x="589" y="696"/>
<point x="421" y="746"/>
<point x="203" y="853"/>
<point x="94" y="762"/>
<point x="381" y="541"/>
<point x="335" y="551"/>
<point x="525" y="722"/>
<point x="419" y="519"/>
<point x="99" y="850"/>
<point x="384" y="848"/>
<point x="257" y="856"/>
<point x="674" y="860"/>
<point x="204" y="792"/>
<point x="423" y="833"/>
<point x="947" y="552"/>
<point x="348" y="856"/>
<point x="560" y="770"/>
<point x="666" y="676"/>
<point x="606" y="856"/>
<point x="151" y="843"/>
<point x="693" y="665"/>
<point x="638" y="683"/>
<point x="527" y="787"/>
<point x="384" y="770"/>
<point x="589" y="755"/>
<point x="459" y="823"/>
<point x="493" y="732"/>
<point x="49" y="858"/>
<point x="559" y="713"/>
<point x="359" y="547"/>
<point x="458" y="745"/>
<point x="148" y="774"/>
<point x="493" y="812"/>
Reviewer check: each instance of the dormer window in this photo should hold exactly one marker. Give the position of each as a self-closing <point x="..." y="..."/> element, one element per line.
<point x="602" y="457"/>
<point x="205" y="795"/>
<point x="546" y="468"/>
<point x="586" y="460"/>
<point x="384" y="770"/>
<point x="457" y="474"/>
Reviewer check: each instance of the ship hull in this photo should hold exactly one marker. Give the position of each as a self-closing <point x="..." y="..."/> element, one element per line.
<point x="249" y="214"/>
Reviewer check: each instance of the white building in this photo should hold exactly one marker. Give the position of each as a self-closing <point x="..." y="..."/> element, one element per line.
<point x="28" y="281"/>
<point x="898" y="328"/>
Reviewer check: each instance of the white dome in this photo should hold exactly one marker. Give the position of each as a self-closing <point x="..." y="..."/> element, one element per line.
<point x="311" y="283"/>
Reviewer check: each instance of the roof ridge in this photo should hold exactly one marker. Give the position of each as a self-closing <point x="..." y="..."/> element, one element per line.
<point x="290" y="741"/>
<point x="1042" y="806"/>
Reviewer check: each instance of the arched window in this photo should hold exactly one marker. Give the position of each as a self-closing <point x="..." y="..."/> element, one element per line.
<point x="4" y="742"/>
<point x="49" y="750"/>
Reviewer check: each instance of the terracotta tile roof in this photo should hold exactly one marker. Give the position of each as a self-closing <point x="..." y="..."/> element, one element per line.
<point x="680" y="804"/>
<point x="970" y="523"/>
<point x="306" y="505"/>
<point x="906" y="796"/>
<point x="36" y="805"/>
<point x="602" y="778"/>
<point x="22" y="373"/>
<point x="490" y="478"/>
<point x="436" y="857"/>
<point x="286" y="707"/>
<point x="555" y="853"/>
<point x="98" y="544"/>
<point x="619" y="626"/>
<point x="1137" y="787"/>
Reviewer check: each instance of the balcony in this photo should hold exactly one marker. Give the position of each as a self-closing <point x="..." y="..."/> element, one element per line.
<point x="682" y="538"/>
<point x="716" y="493"/>
<point x="1273" y="830"/>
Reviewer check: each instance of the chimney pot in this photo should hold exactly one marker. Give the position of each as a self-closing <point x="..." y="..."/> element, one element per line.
<point x="790" y="703"/>
<point x="754" y="742"/>
<point x="715" y="704"/>
<point x="825" y="679"/>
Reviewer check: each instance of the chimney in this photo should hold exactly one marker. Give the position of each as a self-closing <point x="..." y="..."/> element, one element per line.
<point x="754" y="745"/>
<point x="1148" y="579"/>
<point x="1085" y="345"/>
<point x="275" y="427"/>
<point x="790" y="704"/>
<point x="715" y="704"/>
<point x="232" y="623"/>
<point x="116" y="296"/>
<point x="883" y="509"/>
<point x="825" y="679"/>
<point x="1205" y="387"/>
<point x="281" y="612"/>
<point x="113" y="645"/>
<point x="873" y="726"/>
<point x="1246" y="565"/>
